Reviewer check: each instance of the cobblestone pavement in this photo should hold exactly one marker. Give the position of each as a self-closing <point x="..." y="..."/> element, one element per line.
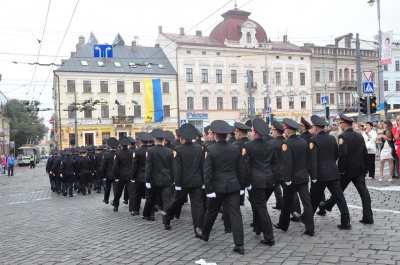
<point x="41" y="227"/>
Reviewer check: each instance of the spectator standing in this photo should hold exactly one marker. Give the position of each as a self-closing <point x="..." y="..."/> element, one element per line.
<point x="396" y="136"/>
<point x="335" y="132"/>
<point x="370" y="142"/>
<point x="388" y="151"/>
<point x="3" y="164"/>
<point x="10" y="165"/>
<point x="379" y="136"/>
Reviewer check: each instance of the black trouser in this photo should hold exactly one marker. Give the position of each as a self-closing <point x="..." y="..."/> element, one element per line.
<point x="126" y="193"/>
<point x="296" y="202"/>
<point x="64" y="184"/>
<point x="97" y="180"/>
<point x="107" y="189"/>
<point x="166" y="196"/>
<point x="278" y="195"/>
<point x="196" y="205"/>
<point x="359" y="183"/>
<point x="68" y="181"/>
<point x="86" y="181"/>
<point x="10" y="170"/>
<point x="232" y="204"/>
<point x="32" y="164"/>
<point x="58" y="182"/>
<point x="77" y="182"/>
<point x="289" y="193"/>
<point x="262" y="221"/>
<point x="371" y="165"/>
<point x="52" y="181"/>
<point x="138" y="192"/>
<point x="121" y="184"/>
<point x="317" y="191"/>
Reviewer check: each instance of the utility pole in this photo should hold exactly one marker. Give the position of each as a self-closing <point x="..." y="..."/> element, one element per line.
<point x="250" y="87"/>
<point x="358" y="70"/>
<point x="268" y="99"/>
<point x="76" y="121"/>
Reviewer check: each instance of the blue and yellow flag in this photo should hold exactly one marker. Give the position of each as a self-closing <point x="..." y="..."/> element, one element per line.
<point x="153" y="98"/>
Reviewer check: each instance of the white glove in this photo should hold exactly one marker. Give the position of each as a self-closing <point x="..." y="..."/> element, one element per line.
<point x="203" y="187"/>
<point x="116" y="180"/>
<point x="241" y="192"/>
<point x="132" y="181"/>
<point x="314" y="180"/>
<point x="211" y="195"/>
<point x="178" y="188"/>
<point x="104" y="179"/>
<point x="148" y="185"/>
<point x="249" y="187"/>
<point x="288" y="183"/>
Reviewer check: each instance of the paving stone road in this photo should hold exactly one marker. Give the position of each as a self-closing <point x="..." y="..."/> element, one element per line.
<point x="41" y="227"/>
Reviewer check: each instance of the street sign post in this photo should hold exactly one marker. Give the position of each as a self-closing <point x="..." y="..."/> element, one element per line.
<point x="183" y="122"/>
<point x="102" y="51"/>
<point x="367" y="74"/>
<point x="324" y="100"/>
<point x="369" y="88"/>
<point x="51" y="121"/>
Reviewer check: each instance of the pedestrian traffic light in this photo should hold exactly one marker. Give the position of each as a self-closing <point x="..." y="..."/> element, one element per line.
<point x="363" y="105"/>
<point x="372" y="105"/>
<point x="386" y="106"/>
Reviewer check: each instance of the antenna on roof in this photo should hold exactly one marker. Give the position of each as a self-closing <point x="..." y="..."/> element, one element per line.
<point x="235" y="5"/>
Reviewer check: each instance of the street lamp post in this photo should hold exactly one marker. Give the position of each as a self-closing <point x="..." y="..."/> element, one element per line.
<point x="380" y="69"/>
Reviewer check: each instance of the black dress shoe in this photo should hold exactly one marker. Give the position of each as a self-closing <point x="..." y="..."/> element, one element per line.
<point x="278" y="226"/>
<point x="366" y="222"/>
<point x="167" y="227"/>
<point x="241" y="203"/>
<point x="200" y="235"/>
<point x="257" y="231"/>
<point x="83" y="193"/>
<point x="146" y="218"/>
<point x="89" y="191"/>
<point x="64" y="194"/>
<point x="309" y="233"/>
<point x="134" y="213"/>
<point x="106" y="202"/>
<point x="277" y="207"/>
<point x="71" y="195"/>
<point x="298" y="217"/>
<point x="112" y="203"/>
<point x="270" y="242"/>
<point x="325" y="206"/>
<point x="125" y="202"/>
<point x="115" y="209"/>
<point x="152" y="218"/>
<point x="239" y="249"/>
<point x="344" y="227"/>
<point x="228" y="230"/>
<point x="293" y="219"/>
<point x="321" y="212"/>
<point x="252" y="224"/>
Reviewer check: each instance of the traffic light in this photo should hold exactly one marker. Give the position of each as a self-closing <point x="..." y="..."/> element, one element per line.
<point x="386" y="106"/>
<point x="372" y="105"/>
<point x="363" y="105"/>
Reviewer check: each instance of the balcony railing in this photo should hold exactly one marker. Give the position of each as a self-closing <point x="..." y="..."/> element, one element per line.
<point x="347" y="83"/>
<point x="123" y="119"/>
<point x="253" y="85"/>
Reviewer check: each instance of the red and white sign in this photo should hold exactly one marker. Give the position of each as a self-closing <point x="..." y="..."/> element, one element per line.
<point x="367" y="74"/>
<point x="51" y="121"/>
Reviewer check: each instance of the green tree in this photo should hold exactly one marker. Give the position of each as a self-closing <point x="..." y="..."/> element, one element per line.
<point x="25" y="125"/>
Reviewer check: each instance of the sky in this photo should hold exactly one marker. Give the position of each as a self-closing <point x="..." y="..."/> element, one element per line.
<point x="46" y="31"/>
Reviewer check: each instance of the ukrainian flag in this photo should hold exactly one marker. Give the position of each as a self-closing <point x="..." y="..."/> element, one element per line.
<point x="153" y="98"/>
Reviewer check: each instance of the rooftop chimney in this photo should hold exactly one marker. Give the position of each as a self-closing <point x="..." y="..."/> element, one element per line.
<point x="80" y="43"/>
<point x="159" y="29"/>
<point x="198" y="33"/>
<point x="284" y="38"/>
<point x="181" y="31"/>
<point x="134" y="46"/>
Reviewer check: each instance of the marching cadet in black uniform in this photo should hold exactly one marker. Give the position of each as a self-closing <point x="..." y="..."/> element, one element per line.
<point x="138" y="178"/>
<point x="189" y="176"/>
<point x="295" y="154"/>
<point x="132" y="143"/>
<point x="169" y="139"/>
<point x="55" y="170"/>
<point x="177" y="141"/>
<point x="67" y="172"/>
<point x="122" y="170"/>
<point x="97" y="157"/>
<point x="49" y="165"/>
<point x="106" y="168"/>
<point x="198" y="137"/>
<point x="207" y="140"/>
<point x="305" y="130"/>
<point x="85" y="170"/>
<point x="261" y="165"/>
<point x="159" y="175"/>
<point x="324" y="170"/>
<point x="224" y="177"/>
<point x="77" y="179"/>
<point x="64" y="182"/>
<point x="231" y="136"/>
<point x="353" y="158"/>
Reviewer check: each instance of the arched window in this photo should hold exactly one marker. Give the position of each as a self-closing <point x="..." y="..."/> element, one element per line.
<point x="346" y="74"/>
<point x="340" y="75"/>
<point x="352" y="75"/>
<point x="248" y="35"/>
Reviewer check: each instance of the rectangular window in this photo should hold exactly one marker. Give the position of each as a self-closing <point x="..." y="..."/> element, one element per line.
<point x="332" y="98"/>
<point x="318" y="76"/>
<point x="251" y="103"/>
<point x="318" y="97"/>
<point x="190" y="103"/>
<point x="385" y="67"/>
<point x="137" y="111"/>
<point x="167" y="111"/>
<point x="219" y="76"/>
<point x="290" y="78"/>
<point x="264" y="77"/>
<point x="88" y="112"/>
<point x="303" y="103"/>
<point x="165" y="87"/>
<point x="105" y="111"/>
<point x="331" y="76"/>
<point x="120" y="87"/>
<point x="385" y="85"/>
<point x="220" y="103"/>
<point x="235" y="103"/>
<point x="70" y="85"/>
<point x="205" y="103"/>
<point x="189" y="75"/>
<point x="121" y="110"/>
<point x="302" y="79"/>
<point x="72" y="139"/>
<point x="397" y="85"/>
<point x="278" y="103"/>
<point x="397" y="66"/>
<point x="103" y="86"/>
<point x="340" y="98"/>
<point x="87" y="86"/>
<point x="136" y="87"/>
<point x="277" y="78"/>
<point x="204" y="75"/>
<point x="347" y="100"/>
<point x="71" y="111"/>
<point x="233" y="76"/>
<point x="291" y="102"/>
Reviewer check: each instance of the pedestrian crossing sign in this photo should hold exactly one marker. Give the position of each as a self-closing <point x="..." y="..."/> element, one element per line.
<point x="369" y="88"/>
<point x="324" y="100"/>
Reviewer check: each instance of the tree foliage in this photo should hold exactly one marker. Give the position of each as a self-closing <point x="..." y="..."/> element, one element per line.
<point x="25" y="125"/>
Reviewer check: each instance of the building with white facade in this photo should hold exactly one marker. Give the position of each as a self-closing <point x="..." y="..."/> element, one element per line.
<point x="391" y="83"/>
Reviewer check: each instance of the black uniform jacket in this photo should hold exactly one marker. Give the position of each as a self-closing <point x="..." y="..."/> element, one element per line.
<point x="295" y="156"/>
<point x="324" y="154"/>
<point x="306" y="136"/>
<point x="241" y="142"/>
<point x="67" y="166"/>
<point x="122" y="164"/>
<point x="353" y="154"/>
<point x="261" y="163"/>
<point x="107" y="163"/>
<point x="50" y="163"/>
<point x="56" y="165"/>
<point x="84" y="165"/>
<point x="139" y="164"/>
<point x="189" y="165"/>
<point x="277" y="142"/>
<point x="159" y="166"/>
<point x="224" y="170"/>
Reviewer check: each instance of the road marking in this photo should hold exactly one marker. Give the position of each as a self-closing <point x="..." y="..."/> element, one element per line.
<point x="393" y="188"/>
<point x="377" y="210"/>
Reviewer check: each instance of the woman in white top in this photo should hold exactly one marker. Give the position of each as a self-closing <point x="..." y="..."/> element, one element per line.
<point x="370" y="139"/>
<point x="387" y="151"/>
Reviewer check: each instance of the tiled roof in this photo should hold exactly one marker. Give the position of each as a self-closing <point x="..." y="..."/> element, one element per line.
<point x="192" y="40"/>
<point x="287" y="46"/>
